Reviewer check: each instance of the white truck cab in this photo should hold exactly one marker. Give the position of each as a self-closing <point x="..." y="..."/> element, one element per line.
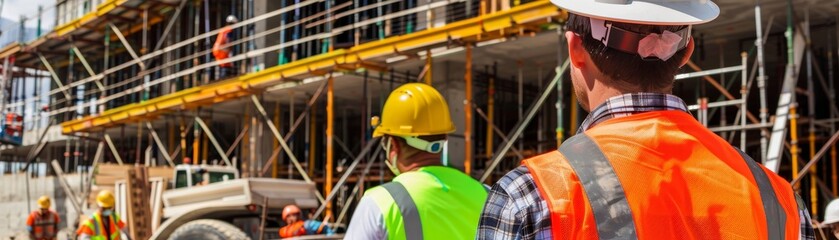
<point x="187" y="175"/>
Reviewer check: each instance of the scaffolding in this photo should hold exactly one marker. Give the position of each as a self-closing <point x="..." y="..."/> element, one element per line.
<point x="135" y="82"/>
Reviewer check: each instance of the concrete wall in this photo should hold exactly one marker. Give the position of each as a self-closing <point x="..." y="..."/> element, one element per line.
<point x="261" y="7"/>
<point x="15" y="207"/>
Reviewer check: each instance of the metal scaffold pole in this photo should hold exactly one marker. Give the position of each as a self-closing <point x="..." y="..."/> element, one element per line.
<point x="811" y="114"/>
<point x="761" y="79"/>
<point x="744" y="94"/>
<point x="794" y="104"/>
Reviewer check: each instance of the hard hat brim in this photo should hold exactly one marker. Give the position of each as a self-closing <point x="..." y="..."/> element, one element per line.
<point x="640" y="12"/>
<point x="831" y="221"/>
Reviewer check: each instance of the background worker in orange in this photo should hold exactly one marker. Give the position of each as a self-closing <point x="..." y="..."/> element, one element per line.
<point x="224" y="37"/>
<point x="296" y="226"/>
<point x="104" y="224"/>
<point x="43" y="223"/>
<point x="640" y="166"/>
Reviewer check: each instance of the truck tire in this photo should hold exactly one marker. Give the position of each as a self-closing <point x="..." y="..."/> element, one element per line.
<point x="208" y="229"/>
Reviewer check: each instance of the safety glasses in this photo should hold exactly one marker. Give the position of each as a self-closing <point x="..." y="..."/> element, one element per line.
<point x="431" y="147"/>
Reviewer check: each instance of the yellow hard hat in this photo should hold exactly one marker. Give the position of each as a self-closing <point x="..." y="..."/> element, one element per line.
<point x="415" y="109"/>
<point x="105" y="199"/>
<point x="44" y="202"/>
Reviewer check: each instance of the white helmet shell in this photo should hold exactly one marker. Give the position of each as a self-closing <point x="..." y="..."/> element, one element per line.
<point x="232" y="19"/>
<point x="831" y="213"/>
<point x="649" y="12"/>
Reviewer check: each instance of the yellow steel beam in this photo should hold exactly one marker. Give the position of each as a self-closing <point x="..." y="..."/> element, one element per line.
<point x="474" y="29"/>
<point x="101" y="10"/>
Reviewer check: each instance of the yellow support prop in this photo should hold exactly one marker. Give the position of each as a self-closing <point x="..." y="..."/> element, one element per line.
<point x="330" y="115"/>
<point x="814" y="197"/>
<point x="793" y="132"/>
<point x="428" y="62"/>
<point x="312" y="140"/>
<point x="467" y="132"/>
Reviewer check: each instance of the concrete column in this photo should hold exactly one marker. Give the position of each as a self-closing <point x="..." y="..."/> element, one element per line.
<point x="261" y="7"/>
<point x="448" y="79"/>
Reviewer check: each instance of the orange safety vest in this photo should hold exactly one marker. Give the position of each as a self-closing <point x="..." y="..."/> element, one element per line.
<point x="660" y="175"/>
<point x="44" y="226"/>
<point x="219" y="52"/>
<point x="95" y="227"/>
<point x="293" y="230"/>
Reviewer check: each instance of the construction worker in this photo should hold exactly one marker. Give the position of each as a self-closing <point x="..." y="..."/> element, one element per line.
<point x="296" y="226"/>
<point x="831" y="217"/>
<point x="104" y="224"/>
<point x="640" y="166"/>
<point x="425" y="200"/>
<point x="220" y="52"/>
<point x="43" y="223"/>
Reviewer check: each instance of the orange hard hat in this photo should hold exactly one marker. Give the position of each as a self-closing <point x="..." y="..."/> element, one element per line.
<point x="290" y="209"/>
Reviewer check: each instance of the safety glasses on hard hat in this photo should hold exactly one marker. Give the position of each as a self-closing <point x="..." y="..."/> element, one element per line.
<point x="434" y="147"/>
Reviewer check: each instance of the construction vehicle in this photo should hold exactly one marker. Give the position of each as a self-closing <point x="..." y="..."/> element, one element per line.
<point x="212" y="202"/>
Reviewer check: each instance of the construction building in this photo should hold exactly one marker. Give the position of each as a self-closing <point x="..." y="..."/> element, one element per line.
<point x="132" y="82"/>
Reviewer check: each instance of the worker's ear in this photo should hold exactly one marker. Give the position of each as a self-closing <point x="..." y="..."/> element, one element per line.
<point x="689" y="52"/>
<point x="395" y="147"/>
<point x="576" y="51"/>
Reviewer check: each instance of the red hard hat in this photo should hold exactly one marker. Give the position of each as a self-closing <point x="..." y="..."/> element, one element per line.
<point x="290" y="209"/>
<point x="187" y="160"/>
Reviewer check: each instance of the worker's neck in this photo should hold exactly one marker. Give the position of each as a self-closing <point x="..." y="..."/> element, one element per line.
<point x="600" y="93"/>
<point x="420" y="160"/>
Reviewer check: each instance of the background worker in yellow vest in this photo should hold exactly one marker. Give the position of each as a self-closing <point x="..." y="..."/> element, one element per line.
<point x="425" y="200"/>
<point x="640" y="166"/>
<point x="104" y="224"/>
<point x="43" y="223"/>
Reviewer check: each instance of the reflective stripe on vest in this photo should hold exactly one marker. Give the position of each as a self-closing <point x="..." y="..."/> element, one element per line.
<point x="408" y="209"/>
<point x="44" y="225"/>
<point x="95" y="221"/>
<point x="775" y="216"/>
<point x="602" y="187"/>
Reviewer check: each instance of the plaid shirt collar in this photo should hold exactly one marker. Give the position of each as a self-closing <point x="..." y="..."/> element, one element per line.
<point x="632" y="103"/>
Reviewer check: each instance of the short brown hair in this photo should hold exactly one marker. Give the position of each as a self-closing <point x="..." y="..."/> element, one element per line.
<point x="631" y="69"/>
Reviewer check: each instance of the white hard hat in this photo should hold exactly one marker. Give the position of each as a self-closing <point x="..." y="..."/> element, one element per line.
<point x="232" y="19"/>
<point x="650" y="12"/>
<point x="831" y="214"/>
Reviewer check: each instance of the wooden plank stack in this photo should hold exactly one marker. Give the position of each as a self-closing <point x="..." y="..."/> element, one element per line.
<point x="108" y="174"/>
<point x="138" y="193"/>
<point x="138" y="207"/>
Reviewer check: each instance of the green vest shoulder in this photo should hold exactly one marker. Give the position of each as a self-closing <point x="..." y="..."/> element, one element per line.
<point x="448" y="203"/>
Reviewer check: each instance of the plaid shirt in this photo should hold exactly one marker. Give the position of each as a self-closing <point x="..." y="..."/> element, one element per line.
<point x="514" y="207"/>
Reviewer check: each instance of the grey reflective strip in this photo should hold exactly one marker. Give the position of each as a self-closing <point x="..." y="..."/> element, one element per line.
<point x="775" y="216"/>
<point x="408" y="209"/>
<point x="602" y="187"/>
